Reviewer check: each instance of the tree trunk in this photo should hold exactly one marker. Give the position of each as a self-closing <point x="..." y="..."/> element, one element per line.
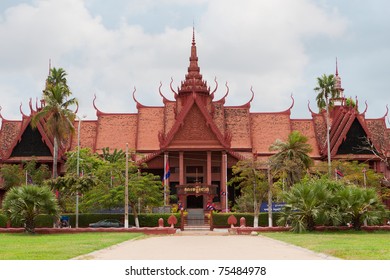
<point x="356" y="222"/>
<point x="135" y="213"/>
<point x="270" y="183"/>
<point x="310" y="223"/>
<point x="55" y="157"/>
<point x="328" y="137"/>
<point x="30" y="225"/>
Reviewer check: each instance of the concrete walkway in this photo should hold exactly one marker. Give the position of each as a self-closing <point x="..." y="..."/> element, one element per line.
<point x="204" y="246"/>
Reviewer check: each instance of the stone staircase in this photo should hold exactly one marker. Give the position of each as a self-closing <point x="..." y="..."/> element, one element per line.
<point x="196" y="220"/>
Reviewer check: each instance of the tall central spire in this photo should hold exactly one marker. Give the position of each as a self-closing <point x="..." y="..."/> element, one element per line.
<point x="193" y="82"/>
<point x="338" y="81"/>
<point x="193" y="69"/>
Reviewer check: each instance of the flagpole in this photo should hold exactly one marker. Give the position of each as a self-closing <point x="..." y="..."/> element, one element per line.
<point x="127" y="188"/>
<point x="165" y="177"/>
<point x="226" y="191"/>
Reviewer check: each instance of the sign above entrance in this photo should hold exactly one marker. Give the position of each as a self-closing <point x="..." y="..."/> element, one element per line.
<point x="196" y="189"/>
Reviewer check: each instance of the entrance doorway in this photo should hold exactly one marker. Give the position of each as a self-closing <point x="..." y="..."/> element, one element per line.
<point x="194" y="201"/>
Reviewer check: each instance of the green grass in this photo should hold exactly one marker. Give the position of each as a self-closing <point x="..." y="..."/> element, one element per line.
<point x="57" y="246"/>
<point x="343" y="245"/>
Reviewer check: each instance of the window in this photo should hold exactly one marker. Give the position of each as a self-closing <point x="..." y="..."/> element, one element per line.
<point x="194" y="169"/>
<point x="215" y="169"/>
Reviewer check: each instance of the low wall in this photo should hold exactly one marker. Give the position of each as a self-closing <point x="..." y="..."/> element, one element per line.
<point x="149" y="230"/>
<point x="249" y="230"/>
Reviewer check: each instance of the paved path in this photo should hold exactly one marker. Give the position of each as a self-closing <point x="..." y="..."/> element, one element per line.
<point x="204" y="246"/>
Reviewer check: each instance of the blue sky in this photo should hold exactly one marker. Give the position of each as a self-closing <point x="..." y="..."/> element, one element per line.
<point x="277" y="47"/>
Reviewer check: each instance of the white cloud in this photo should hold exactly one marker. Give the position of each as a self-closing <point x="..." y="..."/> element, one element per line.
<point x="247" y="43"/>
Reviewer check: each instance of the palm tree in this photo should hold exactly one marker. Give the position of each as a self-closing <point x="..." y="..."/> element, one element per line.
<point x="305" y="203"/>
<point x="326" y="94"/>
<point x="56" y="113"/>
<point x="359" y="204"/>
<point x="23" y="204"/>
<point x="291" y="159"/>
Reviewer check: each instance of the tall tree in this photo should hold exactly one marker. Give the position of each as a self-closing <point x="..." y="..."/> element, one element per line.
<point x="292" y="159"/>
<point x="250" y="178"/>
<point x="23" y="204"/>
<point x="326" y="93"/>
<point x="56" y="114"/>
<point x="12" y="175"/>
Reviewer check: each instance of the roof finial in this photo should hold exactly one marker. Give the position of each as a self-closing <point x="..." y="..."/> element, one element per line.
<point x="338" y="81"/>
<point x="193" y="32"/>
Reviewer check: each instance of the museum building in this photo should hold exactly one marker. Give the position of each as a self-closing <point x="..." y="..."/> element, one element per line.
<point x="199" y="138"/>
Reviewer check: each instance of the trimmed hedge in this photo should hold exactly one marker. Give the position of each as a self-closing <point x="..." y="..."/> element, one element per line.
<point x="3" y="221"/>
<point x="220" y="219"/>
<point x="145" y="220"/>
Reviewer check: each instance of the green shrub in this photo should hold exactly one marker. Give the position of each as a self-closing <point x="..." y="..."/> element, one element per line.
<point x="146" y="220"/>
<point x="44" y="221"/>
<point x="3" y="221"/>
<point x="151" y="220"/>
<point x="220" y="219"/>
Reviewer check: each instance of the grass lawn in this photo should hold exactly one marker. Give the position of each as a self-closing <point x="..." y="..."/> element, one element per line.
<point x="57" y="246"/>
<point x="343" y="245"/>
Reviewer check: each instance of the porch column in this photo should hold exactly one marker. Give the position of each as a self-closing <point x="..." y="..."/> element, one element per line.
<point x="208" y="168"/>
<point x="181" y="168"/>
<point x="224" y="190"/>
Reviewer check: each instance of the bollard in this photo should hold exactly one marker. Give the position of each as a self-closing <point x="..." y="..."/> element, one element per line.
<point x="161" y="222"/>
<point x="242" y="222"/>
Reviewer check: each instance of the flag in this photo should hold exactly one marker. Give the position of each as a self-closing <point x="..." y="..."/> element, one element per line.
<point x="339" y="174"/>
<point x="167" y="171"/>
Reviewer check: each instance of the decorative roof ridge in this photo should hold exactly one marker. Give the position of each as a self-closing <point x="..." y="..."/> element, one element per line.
<point x="292" y="104"/>
<point x="139" y="104"/>
<point x="247" y="104"/>
<point x="216" y="87"/>
<point x="287" y="111"/>
<point x="165" y="100"/>
<point x="222" y="100"/>
<point x="24" y="116"/>
<point x="311" y="111"/>
<point x="365" y="110"/>
<point x="2" y="117"/>
<point x="384" y="116"/>
<point x="98" y="112"/>
<point x="174" y="92"/>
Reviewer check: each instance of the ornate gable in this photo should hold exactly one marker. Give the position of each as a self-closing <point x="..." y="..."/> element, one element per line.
<point x="348" y="132"/>
<point x="195" y="128"/>
<point x="31" y="144"/>
<point x="195" y="132"/>
<point x="354" y="140"/>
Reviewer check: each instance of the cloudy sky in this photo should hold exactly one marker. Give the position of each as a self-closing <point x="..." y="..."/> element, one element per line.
<point x="277" y="47"/>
